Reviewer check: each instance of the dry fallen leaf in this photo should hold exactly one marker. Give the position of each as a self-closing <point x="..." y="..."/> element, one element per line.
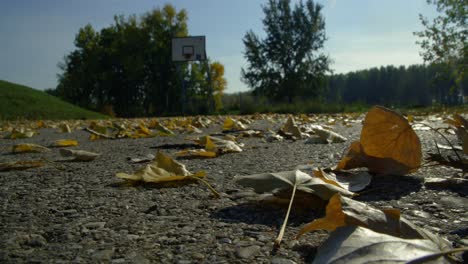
<point x="20" y="165"/>
<point x="388" y="145"/>
<point x="277" y="182"/>
<point x="65" y="143"/>
<point x="20" y="133"/>
<point x="28" y="147"/>
<point x="343" y="211"/>
<point x="196" y="153"/>
<point x="65" y="128"/>
<point x="233" y="125"/>
<point x="328" y="136"/>
<point x="218" y="145"/>
<point x="164" y="169"/>
<point x="354" y="244"/>
<point x="79" y="155"/>
<point x="461" y="130"/>
<point x="291" y="129"/>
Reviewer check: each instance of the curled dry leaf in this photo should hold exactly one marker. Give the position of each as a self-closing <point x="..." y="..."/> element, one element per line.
<point x="354" y="244"/>
<point x="65" y="143"/>
<point x="162" y="130"/>
<point x="196" y="153"/>
<point x="218" y="145"/>
<point x="162" y="169"/>
<point x="79" y="155"/>
<point x="20" y="133"/>
<point x="231" y="124"/>
<point x="328" y="136"/>
<point x="28" y="147"/>
<point x="353" y="182"/>
<point x="343" y="211"/>
<point x="388" y="145"/>
<point x="291" y="129"/>
<point x="65" y="128"/>
<point x="148" y="157"/>
<point x="20" y="165"/>
<point x="277" y="182"/>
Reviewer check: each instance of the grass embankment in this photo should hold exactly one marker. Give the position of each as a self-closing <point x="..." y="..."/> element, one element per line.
<point x="22" y="102"/>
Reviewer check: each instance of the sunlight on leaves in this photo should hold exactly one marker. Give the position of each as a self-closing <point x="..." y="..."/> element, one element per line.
<point x="164" y="169"/>
<point x="65" y="143"/>
<point x="388" y="145"/>
<point x="20" y="165"/>
<point x="28" y="148"/>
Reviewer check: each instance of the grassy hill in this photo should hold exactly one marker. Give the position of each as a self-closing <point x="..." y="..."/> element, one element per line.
<point x="18" y="101"/>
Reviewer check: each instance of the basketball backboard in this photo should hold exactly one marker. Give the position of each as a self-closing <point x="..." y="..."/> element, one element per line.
<point x="188" y="49"/>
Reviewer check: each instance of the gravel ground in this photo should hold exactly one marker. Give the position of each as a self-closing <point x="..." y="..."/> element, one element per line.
<point x="82" y="214"/>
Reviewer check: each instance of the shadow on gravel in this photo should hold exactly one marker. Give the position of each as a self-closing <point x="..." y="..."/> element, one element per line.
<point x="460" y="189"/>
<point x="176" y="146"/>
<point x="268" y="215"/>
<point x="390" y="187"/>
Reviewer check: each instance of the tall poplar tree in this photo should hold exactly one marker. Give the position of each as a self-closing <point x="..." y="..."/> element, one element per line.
<point x="288" y="62"/>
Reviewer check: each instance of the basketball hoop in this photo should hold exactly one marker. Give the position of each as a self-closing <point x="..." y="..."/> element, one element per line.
<point x="186" y="49"/>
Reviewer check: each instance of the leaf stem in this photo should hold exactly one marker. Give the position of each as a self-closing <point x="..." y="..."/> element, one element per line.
<point x="215" y="193"/>
<point x="283" y="227"/>
<point x="446" y="139"/>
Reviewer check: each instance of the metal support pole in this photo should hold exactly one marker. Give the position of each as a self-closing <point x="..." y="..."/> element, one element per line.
<point x="211" y="106"/>
<point x="184" y="88"/>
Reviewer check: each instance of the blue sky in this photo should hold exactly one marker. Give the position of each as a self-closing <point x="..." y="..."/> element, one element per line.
<point x="37" y="34"/>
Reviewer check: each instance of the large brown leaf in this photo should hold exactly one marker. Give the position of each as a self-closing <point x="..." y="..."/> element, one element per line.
<point x="388" y="145"/>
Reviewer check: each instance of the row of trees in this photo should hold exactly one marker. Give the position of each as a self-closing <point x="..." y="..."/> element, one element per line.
<point x="127" y="68"/>
<point x="289" y="63"/>
<point x="396" y="86"/>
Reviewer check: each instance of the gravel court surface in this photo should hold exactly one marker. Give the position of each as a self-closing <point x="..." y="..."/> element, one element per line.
<point x="83" y="215"/>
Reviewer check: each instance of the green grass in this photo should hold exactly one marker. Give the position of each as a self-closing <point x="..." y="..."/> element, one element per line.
<point x="22" y="102"/>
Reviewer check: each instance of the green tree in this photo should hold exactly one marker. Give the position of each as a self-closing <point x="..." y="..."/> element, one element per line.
<point x="288" y="62"/>
<point x="127" y="66"/>
<point x="444" y="39"/>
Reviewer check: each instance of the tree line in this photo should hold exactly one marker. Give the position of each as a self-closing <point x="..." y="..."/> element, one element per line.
<point x="414" y="85"/>
<point x="126" y="69"/>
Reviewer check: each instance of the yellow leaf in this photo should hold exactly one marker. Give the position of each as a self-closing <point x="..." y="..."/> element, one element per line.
<point x="28" y="147"/>
<point x="410" y="118"/>
<point x="228" y="124"/>
<point x="388" y="145"/>
<point x="40" y="124"/>
<point x="209" y="145"/>
<point x="20" y="133"/>
<point x="65" y="128"/>
<point x="20" y="165"/>
<point x="334" y="218"/>
<point x="65" y="143"/>
<point x="144" y="130"/>
<point x="163" y="168"/>
<point x="200" y="153"/>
